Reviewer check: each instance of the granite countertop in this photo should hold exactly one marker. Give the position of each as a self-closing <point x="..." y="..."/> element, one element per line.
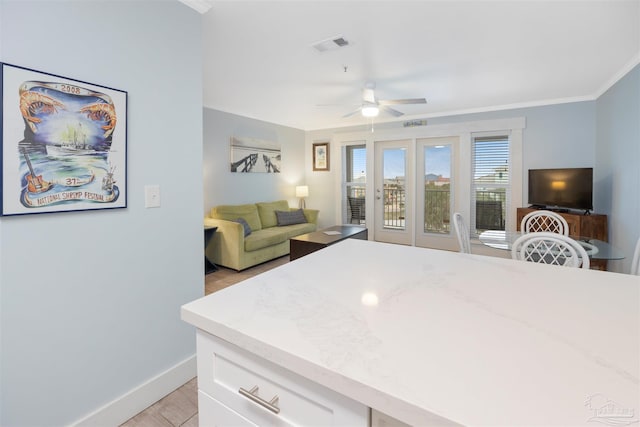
<point x="430" y="336"/>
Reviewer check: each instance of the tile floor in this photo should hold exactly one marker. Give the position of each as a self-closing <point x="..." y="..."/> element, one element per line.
<point x="180" y="408"/>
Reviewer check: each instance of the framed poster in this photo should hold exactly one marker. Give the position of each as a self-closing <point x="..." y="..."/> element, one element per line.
<point x="321" y="156"/>
<point x="64" y="144"/>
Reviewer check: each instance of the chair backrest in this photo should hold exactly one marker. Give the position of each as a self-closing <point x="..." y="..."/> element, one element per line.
<point x="544" y="221"/>
<point x="550" y="248"/>
<point x="357" y="208"/>
<point x="462" y="233"/>
<point x="635" y="262"/>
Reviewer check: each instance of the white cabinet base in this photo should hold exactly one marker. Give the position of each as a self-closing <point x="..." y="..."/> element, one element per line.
<point x="224" y="369"/>
<point x="212" y="413"/>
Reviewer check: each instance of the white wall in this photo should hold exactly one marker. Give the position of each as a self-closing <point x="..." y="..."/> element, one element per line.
<point x="90" y="300"/>
<point x="223" y="187"/>
<point x="617" y="170"/>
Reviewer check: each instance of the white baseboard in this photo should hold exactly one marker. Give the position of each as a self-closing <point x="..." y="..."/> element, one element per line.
<point x="126" y="406"/>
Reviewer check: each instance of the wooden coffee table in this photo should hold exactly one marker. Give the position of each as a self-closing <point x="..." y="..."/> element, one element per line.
<point x="311" y="242"/>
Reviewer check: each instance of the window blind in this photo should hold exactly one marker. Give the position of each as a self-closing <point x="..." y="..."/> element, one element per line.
<point x="491" y="183"/>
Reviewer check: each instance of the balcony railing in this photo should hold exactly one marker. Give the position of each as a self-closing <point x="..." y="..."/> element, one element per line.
<point x="490" y="208"/>
<point x="437" y="210"/>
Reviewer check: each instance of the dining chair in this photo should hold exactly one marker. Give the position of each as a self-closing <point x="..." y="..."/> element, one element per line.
<point x="462" y="232"/>
<point x="550" y="248"/>
<point x="635" y="262"/>
<point x="542" y="220"/>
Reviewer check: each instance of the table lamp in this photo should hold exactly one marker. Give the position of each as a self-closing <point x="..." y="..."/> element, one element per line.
<point x="302" y="191"/>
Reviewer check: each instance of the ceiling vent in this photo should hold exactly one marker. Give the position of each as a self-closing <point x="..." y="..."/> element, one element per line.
<point x="333" y="43"/>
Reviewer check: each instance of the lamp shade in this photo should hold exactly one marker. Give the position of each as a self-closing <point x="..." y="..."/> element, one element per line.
<point x="302" y="191"/>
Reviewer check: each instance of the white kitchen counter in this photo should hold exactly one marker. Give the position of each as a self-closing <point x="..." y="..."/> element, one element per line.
<point x="453" y="338"/>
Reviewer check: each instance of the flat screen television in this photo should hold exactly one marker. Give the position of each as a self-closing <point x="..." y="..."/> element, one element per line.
<point x="570" y="188"/>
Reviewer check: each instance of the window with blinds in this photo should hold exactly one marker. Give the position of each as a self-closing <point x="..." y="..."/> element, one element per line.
<point x="491" y="183"/>
<point x="355" y="183"/>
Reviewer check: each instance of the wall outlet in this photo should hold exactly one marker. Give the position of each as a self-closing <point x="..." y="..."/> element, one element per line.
<point x="151" y="196"/>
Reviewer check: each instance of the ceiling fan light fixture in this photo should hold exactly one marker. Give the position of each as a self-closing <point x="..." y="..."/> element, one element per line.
<point x="370" y="111"/>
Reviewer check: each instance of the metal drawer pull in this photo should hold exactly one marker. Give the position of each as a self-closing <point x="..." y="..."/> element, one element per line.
<point x="253" y="396"/>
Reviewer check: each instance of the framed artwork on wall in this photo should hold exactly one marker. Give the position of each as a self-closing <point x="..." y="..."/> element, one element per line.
<point x="251" y="155"/>
<point x="63" y="144"/>
<point x="321" y="156"/>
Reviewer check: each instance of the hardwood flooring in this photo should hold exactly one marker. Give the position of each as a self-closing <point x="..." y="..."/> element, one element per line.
<point x="180" y="408"/>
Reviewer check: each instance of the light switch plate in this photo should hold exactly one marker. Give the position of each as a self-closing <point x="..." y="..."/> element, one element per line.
<point x="151" y="196"/>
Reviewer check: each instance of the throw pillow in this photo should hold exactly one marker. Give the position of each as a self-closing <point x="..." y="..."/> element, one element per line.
<point x="267" y="213"/>
<point x="245" y="225"/>
<point x="290" y="217"/>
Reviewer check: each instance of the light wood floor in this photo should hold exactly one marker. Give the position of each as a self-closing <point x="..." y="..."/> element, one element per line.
<point x="180" y="408"/>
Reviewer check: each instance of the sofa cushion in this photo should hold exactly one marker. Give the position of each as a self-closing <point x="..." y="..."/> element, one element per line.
<point x="267" y="212"/>
<point x="274" y="235"/>
<point x="290" y="217"/>
<point x="232" y="212"/>
<point x="247" y="228"/>
<point x="263" y="238"/>
<point x="298" y="229"/>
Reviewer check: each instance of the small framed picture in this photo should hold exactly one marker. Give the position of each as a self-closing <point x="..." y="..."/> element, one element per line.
<point x="321" y="156"/>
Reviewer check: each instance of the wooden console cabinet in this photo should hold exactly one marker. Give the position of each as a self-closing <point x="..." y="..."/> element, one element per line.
<point x="594" y="225"/>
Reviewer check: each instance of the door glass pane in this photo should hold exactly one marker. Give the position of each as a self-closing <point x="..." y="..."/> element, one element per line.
<point x="356" y="181"/>
<point x="394" y="161"/>
<point x="437" y="189"/>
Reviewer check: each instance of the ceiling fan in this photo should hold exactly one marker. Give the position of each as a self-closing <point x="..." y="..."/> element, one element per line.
<point x="371" y="106"/>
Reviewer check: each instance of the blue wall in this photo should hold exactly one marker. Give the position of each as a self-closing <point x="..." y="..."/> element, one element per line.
<point x="223" y="187"/>
<point x="90" y="305"/>
<point x="618" y="163"/>
<point x="562" y="135"/>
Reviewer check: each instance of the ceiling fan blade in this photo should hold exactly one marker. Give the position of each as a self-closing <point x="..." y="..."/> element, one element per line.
<point x="402" y="101"/>
<point x="368" y="95"/>
<point x="352" y="113"/>
<point x="391" y="111"/>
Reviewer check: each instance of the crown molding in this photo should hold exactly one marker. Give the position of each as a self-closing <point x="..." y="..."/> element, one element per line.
<point x="201" y="6"/>
<point x="620" y="74"/>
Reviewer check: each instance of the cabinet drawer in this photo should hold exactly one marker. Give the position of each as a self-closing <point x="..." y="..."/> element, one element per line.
<point x="223" y="369"/>
<point x="212" y="413"/>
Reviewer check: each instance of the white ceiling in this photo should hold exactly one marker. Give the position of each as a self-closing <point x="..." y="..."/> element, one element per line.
<point x="462" y="56"/>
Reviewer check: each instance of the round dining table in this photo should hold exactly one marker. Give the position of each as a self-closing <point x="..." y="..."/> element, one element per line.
<point x="596" y="249"/>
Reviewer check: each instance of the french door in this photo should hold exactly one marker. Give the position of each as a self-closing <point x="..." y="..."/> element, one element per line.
<point x="414" y="192"/>
<point x="393" y="191"/>
<point x="438" y="196"/>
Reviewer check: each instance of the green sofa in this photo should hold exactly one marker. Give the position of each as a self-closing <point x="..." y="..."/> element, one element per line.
<point x="267" y="240"/>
